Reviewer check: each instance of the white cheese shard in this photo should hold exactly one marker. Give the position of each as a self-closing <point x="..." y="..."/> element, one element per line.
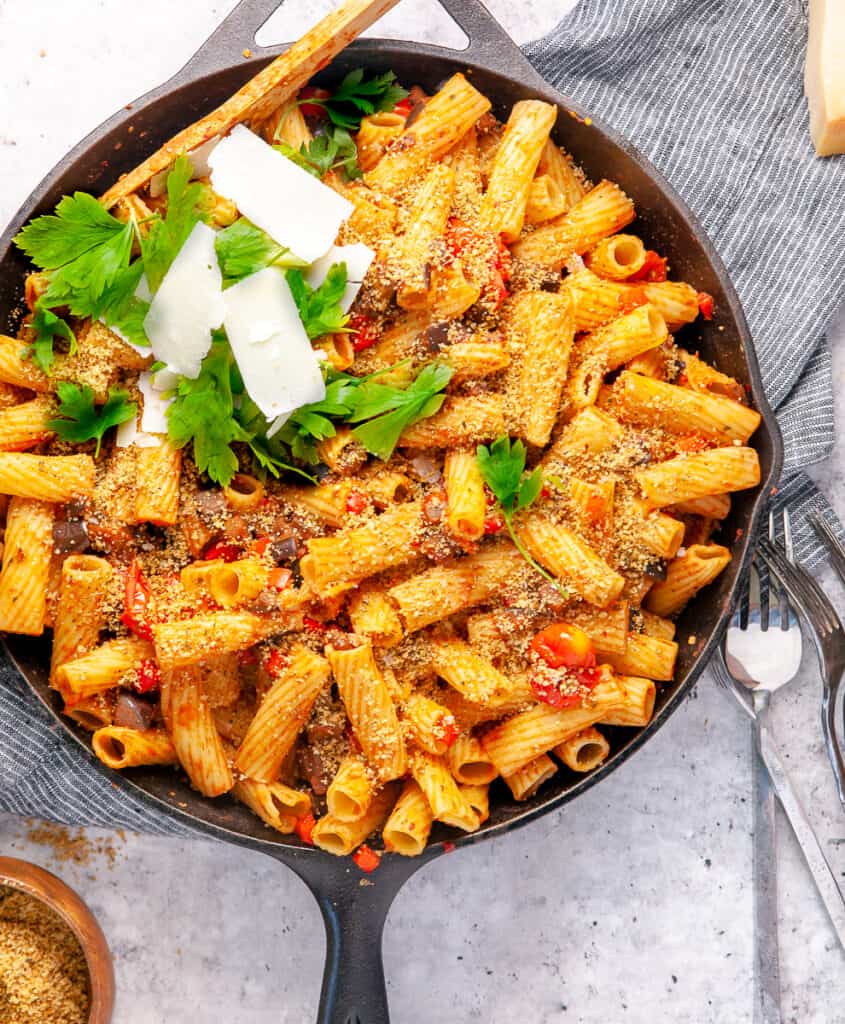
<point x="199" y="162"/>
<point x="292" y="206"/>
<point x="357" y="258"/>
<point x="154" y="415"/>
<point x="279" y="368"/>
<point x="130" y="433"/>
<point x="188" y="305"/>
<point x="824" y="76"/>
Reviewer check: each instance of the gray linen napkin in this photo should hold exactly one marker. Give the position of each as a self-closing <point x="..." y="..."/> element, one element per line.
<point x="711" y="91"/>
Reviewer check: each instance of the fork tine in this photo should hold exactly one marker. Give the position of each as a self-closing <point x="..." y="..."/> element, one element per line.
<point x="758" y="609"/>
<point x="788" y="550"/>
<point x="801" y="587"/>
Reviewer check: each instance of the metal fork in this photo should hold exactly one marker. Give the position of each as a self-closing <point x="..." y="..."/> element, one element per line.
<point x="760" y="653"/>
<point x="829" y="639"/>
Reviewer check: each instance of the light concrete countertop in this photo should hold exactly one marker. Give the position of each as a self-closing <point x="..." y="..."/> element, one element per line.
<point x="631" y="905"/>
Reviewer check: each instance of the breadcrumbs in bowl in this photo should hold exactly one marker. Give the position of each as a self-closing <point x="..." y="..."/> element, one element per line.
<point x="55" y="966"/>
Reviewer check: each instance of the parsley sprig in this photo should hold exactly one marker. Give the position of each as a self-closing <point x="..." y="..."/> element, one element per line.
<point x="79" y="418"/>
<point x="87" y="254"/>
<point x="503" y="467"/>
<point x="334" y="149"/>
<point x="357" y="97"/>
<point x="319" y="308"/>
<point x="243" y="249"/>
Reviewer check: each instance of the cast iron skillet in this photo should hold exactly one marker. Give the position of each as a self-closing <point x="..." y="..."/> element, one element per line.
<point x="353" y="989"/>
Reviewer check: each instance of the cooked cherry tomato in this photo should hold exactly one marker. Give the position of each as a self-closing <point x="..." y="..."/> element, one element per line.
<point x="137" y="598"/>
<point x="654" y="268"/>
<point x="149" y="677"/>
<point x="223" y="550"/>
<point x="312" y="92"/>
<point x="278" y="579"/>
<point x="562" y="645"/>
<point x="494" y="524"/>
<point x="549" y="693"/>
<point x="366" y="859"/>
<point x="356" y="502"/>
<point x="364" y="332"/>
<point x="403" y="107"/>
<point x="705" y="305"/>
<point x="276" y="663"/>
<point x="304" y="828"/>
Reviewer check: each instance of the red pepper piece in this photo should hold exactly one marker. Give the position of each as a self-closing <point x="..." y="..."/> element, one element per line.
<point x="494" y="524"/>
<point x="260" y="545"/>
<point x="654" y="268"/>
<point x="149" y="677"/>
<point x="705" y="305"/>
<point x="356" y="502"/>
<point x="276" y="663"/>
<point x="366" y="859"/>
<point x="403" y="107"/>
<point x="364" y="332"/>
<point x="313" y="92"/>
<point x="278" y="579"/>
<point x="314" y="624"/>
<point x="304" y="828"/>
<point x="136" y="603"/>
<point x="447" y="729"/>
<point x="224" y="550"/>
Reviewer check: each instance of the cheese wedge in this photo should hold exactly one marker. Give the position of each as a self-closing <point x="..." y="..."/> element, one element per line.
<point x="357" y="258"/>
<point x="824" y="76"/>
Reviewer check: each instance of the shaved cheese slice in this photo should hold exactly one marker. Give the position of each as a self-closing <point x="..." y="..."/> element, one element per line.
<point x="357" y="258"/>
<point x="154" y="416"/>
<point x="199" y="162"/>
<point x="130" y="433"/>
<point x="824" y="76"/>
<point x="279" y="368"/>
<point x="188" y="305"/>
<point x="294" y="208"/>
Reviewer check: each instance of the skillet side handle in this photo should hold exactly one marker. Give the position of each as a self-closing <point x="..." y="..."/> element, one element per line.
<point x="227" y="42"/>
<point x="489" y="44"/>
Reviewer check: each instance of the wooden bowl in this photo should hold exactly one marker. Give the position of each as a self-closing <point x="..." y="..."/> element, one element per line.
<point x="44" y="886"/>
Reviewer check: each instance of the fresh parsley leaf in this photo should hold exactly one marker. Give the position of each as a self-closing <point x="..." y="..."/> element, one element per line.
<point x="390" y="410"/>
<point x="121" y="308"/>
<point x="243" y="249"/>
<point x="80" y="420"/>
<point x="79" y="225"/>
<point x="319" y="308"/>
<point x="503" y="467"/>
<point x="333" y="149"/>
<point x="311" y="423"/>
<point x="167" y="235"/>
<point x="357" y="97"/>
<point x="202" y="411"/>
<point x="47" y="327"/>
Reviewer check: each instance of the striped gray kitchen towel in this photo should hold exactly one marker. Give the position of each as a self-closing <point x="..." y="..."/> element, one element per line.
<point x="710" y="90"/>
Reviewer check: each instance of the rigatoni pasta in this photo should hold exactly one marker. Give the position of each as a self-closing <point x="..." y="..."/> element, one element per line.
<point x="443" y="573"/>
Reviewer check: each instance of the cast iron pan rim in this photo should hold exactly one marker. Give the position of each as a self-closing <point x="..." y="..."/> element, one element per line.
<point x="383" y="49"/>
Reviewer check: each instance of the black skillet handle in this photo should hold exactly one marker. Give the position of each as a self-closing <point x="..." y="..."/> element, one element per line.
<point x="354" y="906"/>
<point x="489" y="44"/>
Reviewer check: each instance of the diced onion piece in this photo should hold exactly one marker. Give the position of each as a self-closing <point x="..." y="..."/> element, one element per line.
<point x="188" y="305"/>
<point x="279" y="368"/>
<point x="294" y="208"/>
<point x="357" y="258"/>
<point x="199" y="162"/>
